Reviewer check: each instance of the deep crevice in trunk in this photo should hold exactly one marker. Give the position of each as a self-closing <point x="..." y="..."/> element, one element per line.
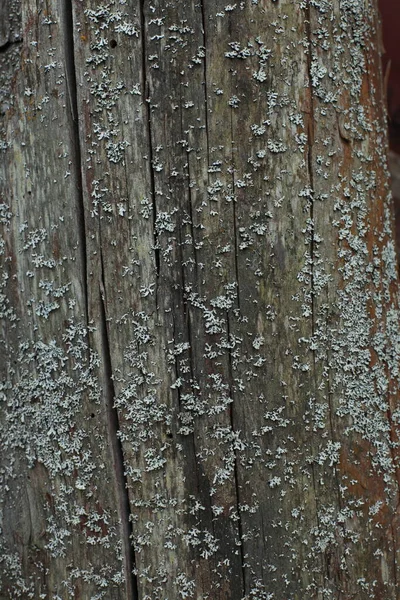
<point x="132" y="592"/>
<point x="146" y="102"/>
<point x="67" y="26"/>
<point x="203" y="23"/>
<point x="310" y="143"/>
<point x="235" y="468"/>
<point x="9" y="44"/>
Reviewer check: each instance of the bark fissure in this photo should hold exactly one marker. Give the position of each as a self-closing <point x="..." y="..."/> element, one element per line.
<point x="146" y="102"/>
<point x="131" y="582"/>
<point x="230" y="364"/>
<point x="186" y="307"/>
<point x="231" y="409"/>
<point x="235" y="466"/>
<point x="203" y="23"/>
<point x="394" y="556"/>
<point x="67" y="25"/>
<point x="234" y="224"/>
<point x="334" y="438"/>
<point x="393" y="446"/>
<point x="9" y="44"/>
<point x="310" y="143"/>
<point x="191" y="216"/>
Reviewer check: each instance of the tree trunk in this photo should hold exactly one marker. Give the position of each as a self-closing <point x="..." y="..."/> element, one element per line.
<point x="200" y="326"/>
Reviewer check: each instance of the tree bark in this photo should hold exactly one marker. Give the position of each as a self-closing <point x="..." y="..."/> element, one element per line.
<point x="199" y="302"/>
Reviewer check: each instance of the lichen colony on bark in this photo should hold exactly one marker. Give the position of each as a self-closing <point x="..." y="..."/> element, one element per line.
<point x="199" y="393"/>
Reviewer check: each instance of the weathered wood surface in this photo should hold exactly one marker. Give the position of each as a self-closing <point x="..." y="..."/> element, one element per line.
<point x="199" y="303"/>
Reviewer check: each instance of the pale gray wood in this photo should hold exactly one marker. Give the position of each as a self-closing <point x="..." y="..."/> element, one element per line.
<point x="216" y="395"/>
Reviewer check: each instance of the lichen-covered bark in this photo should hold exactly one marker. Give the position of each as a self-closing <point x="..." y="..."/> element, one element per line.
<point x="199" y="303"/>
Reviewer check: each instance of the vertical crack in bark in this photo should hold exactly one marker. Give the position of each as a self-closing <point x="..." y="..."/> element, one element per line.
<point x="191" y="217"/>
<point x="185" y="306"/>
<point x="203" y="23"/>
<point x="310" y="144"/>
<point x="235" y="468"/>
<point x="132" y="592"/>
<point x="146" y="102"/>
<point x="231" y="412"/>
<point x="394" y="538"/>
<point x="230" y="365"/>
<point x="67" y="29"/>
<point x="394" y="564"/>
<point x="234" y="214"/>
<point x="334" y="439"/>
<point x="189" y="204"/>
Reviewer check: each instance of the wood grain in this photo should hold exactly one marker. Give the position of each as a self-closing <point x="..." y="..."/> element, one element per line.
<point x="200" y="319"/>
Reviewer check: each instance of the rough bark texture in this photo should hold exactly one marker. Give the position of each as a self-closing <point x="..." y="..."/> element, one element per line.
<point x="199" y="302"/>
